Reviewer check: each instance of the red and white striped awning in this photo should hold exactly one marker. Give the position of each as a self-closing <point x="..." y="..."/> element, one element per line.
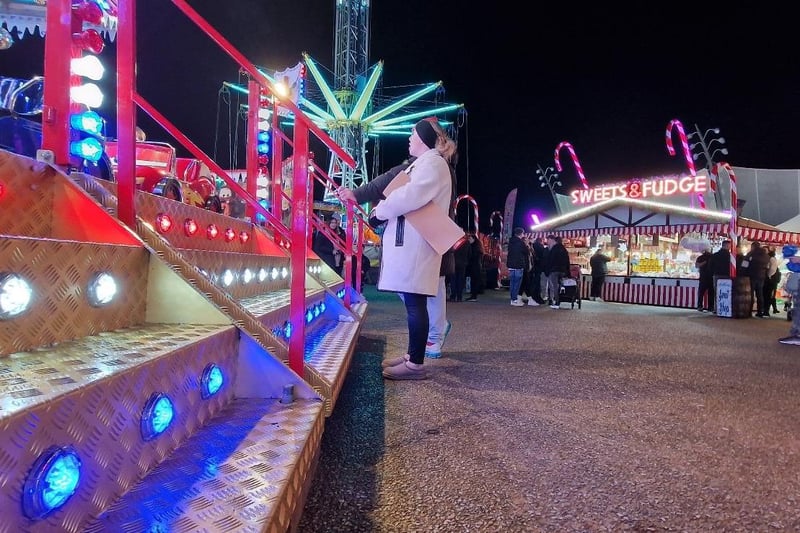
<point x="769" y="236"/>
<point x="751" y="234"/>
<point x="625" y="216"/>
<point x="636" y="230"/>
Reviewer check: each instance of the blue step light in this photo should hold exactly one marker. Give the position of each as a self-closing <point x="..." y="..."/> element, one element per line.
<point x="157" y="415"/>
<point x="88" y="148"/>
<point x="211" y="381"/>
<point x="88" y="122"/>
<point x="52" y="480"/>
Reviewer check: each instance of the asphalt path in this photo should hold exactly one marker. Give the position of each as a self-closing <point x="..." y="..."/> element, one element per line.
<point x="611" y="417"/>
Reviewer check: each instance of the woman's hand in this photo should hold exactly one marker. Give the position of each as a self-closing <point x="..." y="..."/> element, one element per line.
<point x="346" y="195"/>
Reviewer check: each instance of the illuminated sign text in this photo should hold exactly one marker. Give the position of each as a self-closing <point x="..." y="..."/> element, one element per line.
<point x="641" y="189"/>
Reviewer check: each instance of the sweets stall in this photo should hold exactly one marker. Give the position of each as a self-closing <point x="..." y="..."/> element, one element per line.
<point x="652" y="246"/>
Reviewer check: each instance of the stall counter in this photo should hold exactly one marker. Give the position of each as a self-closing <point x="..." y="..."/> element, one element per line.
<point x="659" y="291"/>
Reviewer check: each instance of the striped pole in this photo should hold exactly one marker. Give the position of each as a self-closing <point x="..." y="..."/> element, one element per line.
<point x="568" y="146"/>
<point x="497" y="215"/>
<point x="474" y="207"/>
<point x="733" y="230"/>
<point x="687" y="153"/>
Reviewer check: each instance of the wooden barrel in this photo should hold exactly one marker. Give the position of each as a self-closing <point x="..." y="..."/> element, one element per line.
<point x="742" y="296"/>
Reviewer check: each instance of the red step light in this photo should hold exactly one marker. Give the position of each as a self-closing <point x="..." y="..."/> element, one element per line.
<point x="190" y="227"/>
<point x="163" y="223"/>
<point x="212" y="231"/>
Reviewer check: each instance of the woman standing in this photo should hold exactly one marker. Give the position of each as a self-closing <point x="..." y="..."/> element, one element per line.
<point x="409" y="265"/>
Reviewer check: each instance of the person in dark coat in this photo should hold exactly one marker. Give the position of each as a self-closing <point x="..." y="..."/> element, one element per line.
<point x="556" y="267"/>
<point x="720" y="268"/>
<point x="757" y="262"/>
<point x="706" y="280"/>
<point x="474" y="266"/>
<point x="517" y="261"/>
<point x="599" y="265"/>
<point x="539" y="252"/>
<point x="461" y="256"/>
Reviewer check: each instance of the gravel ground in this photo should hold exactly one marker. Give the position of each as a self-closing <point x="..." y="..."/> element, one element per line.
<point x="611" y="417"/>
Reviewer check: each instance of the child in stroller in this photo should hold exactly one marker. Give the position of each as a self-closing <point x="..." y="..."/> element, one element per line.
<point x="571" y="287"/>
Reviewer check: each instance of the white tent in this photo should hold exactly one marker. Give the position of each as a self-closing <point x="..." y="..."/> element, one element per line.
<point x="793" y="224"/>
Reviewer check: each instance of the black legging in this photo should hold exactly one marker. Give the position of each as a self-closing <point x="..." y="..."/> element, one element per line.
<point x="597" y="286"/>
<point x="417" y="311"/>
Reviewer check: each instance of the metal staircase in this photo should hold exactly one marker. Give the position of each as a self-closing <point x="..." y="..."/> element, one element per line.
<point x="196" y="396"/>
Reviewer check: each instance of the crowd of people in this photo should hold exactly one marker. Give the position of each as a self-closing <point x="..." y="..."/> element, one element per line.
<point x="426" y="279"/>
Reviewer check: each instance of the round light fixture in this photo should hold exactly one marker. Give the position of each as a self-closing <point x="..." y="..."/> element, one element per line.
<point x="211" y="381"/>
<point x="157" y="415"/>
<point x="163" y="223"/>
<point x="212" y="231"/>
<point x="52" y="480"/>
<point x="102" y="289"/>
<point x="15" y="295"/>
<point x="190" y="227"/>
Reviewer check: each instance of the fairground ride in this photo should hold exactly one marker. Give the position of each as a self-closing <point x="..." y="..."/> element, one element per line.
<point x="356" y="108"/>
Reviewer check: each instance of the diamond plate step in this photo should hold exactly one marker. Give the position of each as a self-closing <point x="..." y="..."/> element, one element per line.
<point x="243" y="472"/>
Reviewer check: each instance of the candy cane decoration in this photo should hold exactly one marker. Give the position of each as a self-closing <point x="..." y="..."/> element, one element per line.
<point x="687" y="153"/>
<point x="474" y="207"/>
<point x="568" y="146"/>
<point x="498" y="215"/>
<point x="712" y="184"/>
<point x="733" y="230"/>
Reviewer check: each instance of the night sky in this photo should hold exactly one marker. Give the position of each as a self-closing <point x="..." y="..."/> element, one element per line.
<point x="606" y="79"/>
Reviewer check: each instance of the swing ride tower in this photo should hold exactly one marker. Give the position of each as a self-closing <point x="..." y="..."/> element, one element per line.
<point x="351" y="58"/>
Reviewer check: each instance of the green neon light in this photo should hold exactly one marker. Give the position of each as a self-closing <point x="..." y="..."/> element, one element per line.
<point x="366" y="95"/>
<point x="330" y="99"/>
<point x="421" y="114"/>
<point x="403" y="101"/>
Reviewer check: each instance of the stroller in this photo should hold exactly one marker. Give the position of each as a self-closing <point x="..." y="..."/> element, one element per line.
<point x="571" y="287"/>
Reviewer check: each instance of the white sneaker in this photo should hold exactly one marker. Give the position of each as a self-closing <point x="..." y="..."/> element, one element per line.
<point x="554" y="306"/>
<point x="517" y="303"/>
<point x="533" y="302"/>
<point x="433" y="350"/>
<point x="791" y="339"/>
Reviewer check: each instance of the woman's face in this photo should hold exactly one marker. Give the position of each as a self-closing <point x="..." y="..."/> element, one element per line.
<point x="415" y="145"/>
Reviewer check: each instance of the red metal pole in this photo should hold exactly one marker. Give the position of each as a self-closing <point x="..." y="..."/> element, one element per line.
<point x="126" y="113"/>
<point x="360" y="252"/>
<point x="277" y="165"/>
<point x="348" y="253"/>
<point x="253" y="105"/>
<point x="56" y="109"/>
<point x="299" y="250"/>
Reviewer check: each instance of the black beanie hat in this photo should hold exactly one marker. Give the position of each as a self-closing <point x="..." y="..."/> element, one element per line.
<point x="426" y="133"/>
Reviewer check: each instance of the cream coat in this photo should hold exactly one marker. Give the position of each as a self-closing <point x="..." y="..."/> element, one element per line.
<point x="413" y="266"/>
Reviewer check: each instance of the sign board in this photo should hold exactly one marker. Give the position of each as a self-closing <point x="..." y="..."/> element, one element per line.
<point x="642" y="189"/>
<point x="724" y="297"/>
